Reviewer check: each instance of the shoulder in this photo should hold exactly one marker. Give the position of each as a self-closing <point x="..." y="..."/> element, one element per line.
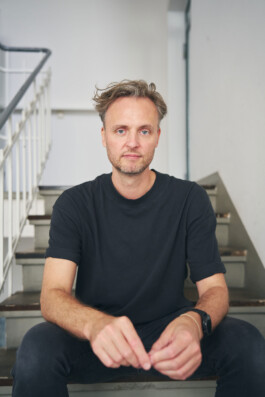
<point x="180" y="186"/>
<point x="81" y="194"/>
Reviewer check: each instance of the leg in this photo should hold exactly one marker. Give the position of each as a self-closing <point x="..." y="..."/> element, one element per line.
<point x="235" y="352"/>
<point x="49" y="358"/>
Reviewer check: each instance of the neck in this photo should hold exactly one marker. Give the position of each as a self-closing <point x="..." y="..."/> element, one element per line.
<point x="133" y="186"/>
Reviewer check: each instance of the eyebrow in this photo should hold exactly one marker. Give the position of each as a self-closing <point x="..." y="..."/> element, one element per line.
<point x="123" y="126"/>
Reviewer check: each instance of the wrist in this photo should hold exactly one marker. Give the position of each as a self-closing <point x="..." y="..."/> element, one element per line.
<point x="195" y="320"/>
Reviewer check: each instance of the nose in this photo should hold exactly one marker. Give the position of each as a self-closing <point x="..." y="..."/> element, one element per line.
<point x="132" y="139"/>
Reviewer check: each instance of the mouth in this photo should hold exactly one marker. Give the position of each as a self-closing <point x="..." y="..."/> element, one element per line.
<point x="131" y="155"/>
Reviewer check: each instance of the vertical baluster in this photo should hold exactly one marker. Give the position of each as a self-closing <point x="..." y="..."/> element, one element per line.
<point x="23" y="139"/>
<point x="1" y="219"/>
<point x="29" y="157"/>
<point x="17" y="154"/>
<point x="42" y="128"/>
<point x="49" y="108"/>
<point x="10" y="202"/>
<point x="35" y="166"/>
<point x="39" y="136"/>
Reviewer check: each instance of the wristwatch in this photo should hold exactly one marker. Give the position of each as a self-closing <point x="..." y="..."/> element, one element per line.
<point x="206" y="321"/>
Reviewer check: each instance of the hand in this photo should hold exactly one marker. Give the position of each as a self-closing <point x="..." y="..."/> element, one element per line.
<point x="115" y="342"/>
<point x="177" y="352"/>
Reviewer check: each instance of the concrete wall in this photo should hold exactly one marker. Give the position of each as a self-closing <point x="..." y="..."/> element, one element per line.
<point x="227" y="103"/>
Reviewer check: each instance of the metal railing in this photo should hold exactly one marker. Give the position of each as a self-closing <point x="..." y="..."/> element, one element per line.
<point x="22" y="159"/>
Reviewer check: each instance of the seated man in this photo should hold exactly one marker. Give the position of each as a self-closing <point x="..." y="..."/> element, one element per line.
<point x="129" y="234"/>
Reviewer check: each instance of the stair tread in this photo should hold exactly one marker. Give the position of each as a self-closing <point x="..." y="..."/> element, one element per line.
<point x="31" y="300"/>
<point x="7" y="359"/>
<point x="34" y="253"/>
<point x="31" y="252"/>
<point x="54" y="187"/>
<point x="21" y="301"/>
<point x="39" y="217"/>
<point x="208" y="187"/>
<point x="237" y="297"/>
<point x="219" y="215"/>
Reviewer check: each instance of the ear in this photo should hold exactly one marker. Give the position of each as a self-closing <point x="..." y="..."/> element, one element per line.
<point x="158" y="136"/>
<point x="103" y="136"/>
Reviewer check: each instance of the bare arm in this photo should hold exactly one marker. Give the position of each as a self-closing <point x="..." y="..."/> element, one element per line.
<point x="177" y="352"/>
<point x="113" y="339"/>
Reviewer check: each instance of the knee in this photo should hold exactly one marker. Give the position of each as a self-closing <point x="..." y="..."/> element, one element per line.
<point x="245" y="344"/>
<point x="36" y="354"/>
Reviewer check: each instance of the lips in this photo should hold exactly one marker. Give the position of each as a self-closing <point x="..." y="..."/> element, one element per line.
<point x="132" y="155"/>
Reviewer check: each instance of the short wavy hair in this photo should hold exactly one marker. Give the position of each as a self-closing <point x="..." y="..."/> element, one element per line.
<point x="128" y="88"/>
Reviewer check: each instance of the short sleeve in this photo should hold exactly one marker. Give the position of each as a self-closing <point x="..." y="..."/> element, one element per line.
<point x="64" y="236"/>
<point x="202" y="249"/>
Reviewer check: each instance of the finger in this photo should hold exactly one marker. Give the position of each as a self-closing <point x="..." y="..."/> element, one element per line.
<point x="136" y="345"/>
<point x="126" y="351"/>
<point x="180" y="374"/>
<point x="106" y="359"/>
<point x="112" y="351"/>
<point x="183" y="365"/>
<point x="168" y="352"/>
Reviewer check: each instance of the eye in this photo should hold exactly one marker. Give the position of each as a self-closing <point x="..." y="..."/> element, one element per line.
<point x="144" y="132"/>
<point x="120" y="131"/>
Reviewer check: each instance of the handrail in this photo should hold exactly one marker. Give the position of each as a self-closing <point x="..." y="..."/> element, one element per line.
<point x="12" y="105"/>
<point x="22" y="160"/>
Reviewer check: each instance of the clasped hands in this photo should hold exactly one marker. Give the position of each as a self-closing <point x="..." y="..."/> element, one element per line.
<point x="176" y="354"/>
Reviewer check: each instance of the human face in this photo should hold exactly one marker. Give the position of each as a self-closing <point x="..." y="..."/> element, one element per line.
<point x="131" y="134"/>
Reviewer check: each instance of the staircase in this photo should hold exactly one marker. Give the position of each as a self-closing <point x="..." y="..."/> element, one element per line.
<point x="21" y="311"/>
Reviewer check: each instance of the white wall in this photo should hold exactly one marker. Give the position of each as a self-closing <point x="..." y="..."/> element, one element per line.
<point x="228" y="103"/>
<point x="93" y="42"/>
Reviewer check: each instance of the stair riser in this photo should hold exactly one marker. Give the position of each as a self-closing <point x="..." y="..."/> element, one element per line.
<point x="138" y="389"/>
<point x="32" y="277"/>
<point x="255" y="316"/>
<point x="42" y="235"/>
<point x="17" y="326"/>
<point x="49" y="202"/>
<point x="213" y="201"/>
<point x="235" y="275"/>
<point x="222" y="234"/>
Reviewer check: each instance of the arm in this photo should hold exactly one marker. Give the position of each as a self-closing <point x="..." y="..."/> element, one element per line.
<point x="113" y="339"/>
<point x="177" y="352"/>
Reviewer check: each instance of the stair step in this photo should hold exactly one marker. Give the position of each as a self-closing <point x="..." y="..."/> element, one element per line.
<point x="42" y="226"/>
<point x="212" y="193"/>
<point x="50" y="195"/>
<point x="142" y="382"/>
<point x="22" y="311"/>
<point x="32" y="262"/>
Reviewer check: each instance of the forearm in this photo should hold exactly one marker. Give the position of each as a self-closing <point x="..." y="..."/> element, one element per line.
<point x="63" y="309"/>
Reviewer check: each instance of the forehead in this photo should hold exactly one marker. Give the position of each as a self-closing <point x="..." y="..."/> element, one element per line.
<point x="127" y="110"/>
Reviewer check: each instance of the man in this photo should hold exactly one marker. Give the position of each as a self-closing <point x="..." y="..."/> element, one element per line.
<point x="129" y="234"/>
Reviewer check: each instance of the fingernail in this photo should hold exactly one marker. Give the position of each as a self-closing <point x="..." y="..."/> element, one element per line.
<point x="147" y="366"/>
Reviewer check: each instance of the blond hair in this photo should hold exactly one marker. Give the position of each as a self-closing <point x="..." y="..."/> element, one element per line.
<point x="128" y="88"/>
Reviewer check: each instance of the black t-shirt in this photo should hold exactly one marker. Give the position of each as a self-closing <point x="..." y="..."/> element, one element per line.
<point x="132" y="254"/>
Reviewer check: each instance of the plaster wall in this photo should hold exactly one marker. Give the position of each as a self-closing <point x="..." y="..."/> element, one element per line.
<point x="94" y="42"/>
<point x="227" y="103"/>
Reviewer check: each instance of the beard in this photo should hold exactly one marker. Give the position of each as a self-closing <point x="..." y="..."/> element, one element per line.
<point x="124" y="167"/>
